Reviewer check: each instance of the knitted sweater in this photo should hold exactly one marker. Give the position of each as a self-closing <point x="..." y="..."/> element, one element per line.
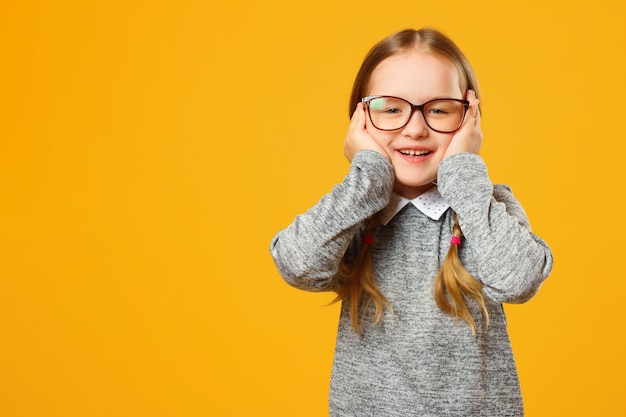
<point x="418" y="361"/>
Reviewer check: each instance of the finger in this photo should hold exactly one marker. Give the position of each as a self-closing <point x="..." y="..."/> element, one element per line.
<point x="356" y="115"/>
<point x="360" y="118"/>
<point x="360" y="110"/>
<point x="476" y="112"/>
<point x="473" y="110"/>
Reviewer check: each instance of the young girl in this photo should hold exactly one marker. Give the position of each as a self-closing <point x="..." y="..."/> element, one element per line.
<point x="420" y="247"/>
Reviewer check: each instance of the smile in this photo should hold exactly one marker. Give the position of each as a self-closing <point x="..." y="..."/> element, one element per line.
<point x="412" y="152"/>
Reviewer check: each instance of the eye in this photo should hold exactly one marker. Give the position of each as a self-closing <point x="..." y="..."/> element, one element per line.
<point x="389" y="106"/>
<point x="439" y="109"/>
<point x="393" y="110"/>
<point x="444" y="108"/>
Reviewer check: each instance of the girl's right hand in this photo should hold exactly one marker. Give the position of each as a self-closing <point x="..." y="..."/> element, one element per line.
<point x="357" y="137"/>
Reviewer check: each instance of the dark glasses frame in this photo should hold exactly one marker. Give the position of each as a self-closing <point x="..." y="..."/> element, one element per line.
<point x="414" y="107"/>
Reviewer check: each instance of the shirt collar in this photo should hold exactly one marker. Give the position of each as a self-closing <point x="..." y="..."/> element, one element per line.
<point x="431" y="203"/>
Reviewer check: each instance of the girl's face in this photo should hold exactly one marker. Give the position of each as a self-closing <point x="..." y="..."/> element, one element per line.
<point x="415" y="150"/>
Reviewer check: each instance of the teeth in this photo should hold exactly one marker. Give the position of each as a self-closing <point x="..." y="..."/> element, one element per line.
<point x="413" y="153"/>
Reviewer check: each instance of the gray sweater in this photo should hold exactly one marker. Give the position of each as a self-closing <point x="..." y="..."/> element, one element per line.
<point x="419" y="361"/>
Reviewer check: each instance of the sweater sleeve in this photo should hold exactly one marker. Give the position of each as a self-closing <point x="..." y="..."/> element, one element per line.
<point x="512" y="261"/>
<point x="309" y="251"/>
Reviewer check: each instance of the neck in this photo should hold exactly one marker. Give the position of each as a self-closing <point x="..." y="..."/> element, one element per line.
<point x="413" y="192"/>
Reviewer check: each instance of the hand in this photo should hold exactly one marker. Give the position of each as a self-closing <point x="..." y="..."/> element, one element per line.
<point x="357" y="137"/>
<point x="469" y="137"/>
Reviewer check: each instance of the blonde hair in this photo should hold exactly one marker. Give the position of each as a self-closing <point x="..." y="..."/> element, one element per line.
<point x="453" y="285"/>
<point x="360" y="284"/>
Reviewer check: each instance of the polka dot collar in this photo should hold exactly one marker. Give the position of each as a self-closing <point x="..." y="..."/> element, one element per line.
<point x="431" y="203"/>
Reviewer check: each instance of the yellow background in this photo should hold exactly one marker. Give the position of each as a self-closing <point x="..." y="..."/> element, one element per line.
<point x="149" y="150"/>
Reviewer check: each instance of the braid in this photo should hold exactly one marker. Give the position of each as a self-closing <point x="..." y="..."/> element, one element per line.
<point x="454" y="284"/>
<point x="360" y="284"/>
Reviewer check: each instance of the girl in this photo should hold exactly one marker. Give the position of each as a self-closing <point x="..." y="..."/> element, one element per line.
<point x="420" y="247"/>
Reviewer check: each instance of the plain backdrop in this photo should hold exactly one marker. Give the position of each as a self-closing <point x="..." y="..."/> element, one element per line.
<point x="150" y="150"/>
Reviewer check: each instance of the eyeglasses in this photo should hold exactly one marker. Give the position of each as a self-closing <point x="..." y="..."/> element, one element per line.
<point x="443" y="115"/>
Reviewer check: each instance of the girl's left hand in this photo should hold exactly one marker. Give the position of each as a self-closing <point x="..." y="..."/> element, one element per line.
<point x="469" y="137"/>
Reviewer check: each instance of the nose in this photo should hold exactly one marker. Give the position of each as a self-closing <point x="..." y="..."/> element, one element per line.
<point x="416" y="127"/>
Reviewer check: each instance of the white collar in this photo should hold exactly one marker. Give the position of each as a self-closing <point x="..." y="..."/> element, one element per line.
<point x="431" y="203"/>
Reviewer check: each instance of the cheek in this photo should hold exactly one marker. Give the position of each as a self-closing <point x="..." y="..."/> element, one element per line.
<point x="445" y="139"/>
<point x="382" y="138"/>
<point x="442" y="140"/>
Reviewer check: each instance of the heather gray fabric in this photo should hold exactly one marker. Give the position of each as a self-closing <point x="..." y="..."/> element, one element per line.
<point x="419" y="361"/>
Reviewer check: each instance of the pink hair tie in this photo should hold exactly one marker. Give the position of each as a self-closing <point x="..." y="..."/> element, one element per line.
<point x="455" y="240"/>
<point x="368" y="240"/>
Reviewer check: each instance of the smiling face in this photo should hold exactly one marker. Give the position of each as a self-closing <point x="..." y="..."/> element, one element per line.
<point x="415" y="150"/>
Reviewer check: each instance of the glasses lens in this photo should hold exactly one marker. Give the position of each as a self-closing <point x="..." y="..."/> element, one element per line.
<point x="444" y="115"/>
<point x="388" y="113"/>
